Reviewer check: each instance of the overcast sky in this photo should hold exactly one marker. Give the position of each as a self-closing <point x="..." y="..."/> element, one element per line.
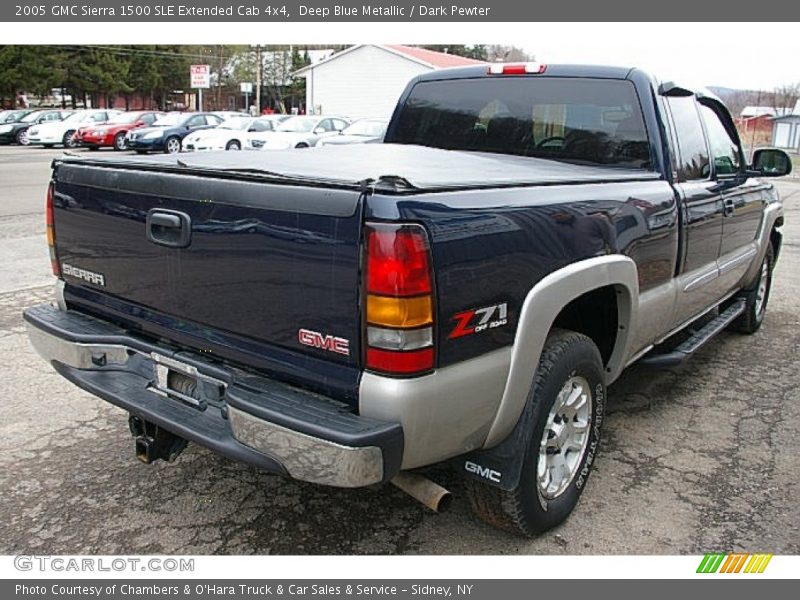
<point x="738" y="55"/>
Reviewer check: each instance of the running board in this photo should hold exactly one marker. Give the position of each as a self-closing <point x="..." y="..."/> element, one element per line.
<point x="697" y="339"/>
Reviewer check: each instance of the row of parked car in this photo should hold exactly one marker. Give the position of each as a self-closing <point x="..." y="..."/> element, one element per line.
<point x="153" y="131"/>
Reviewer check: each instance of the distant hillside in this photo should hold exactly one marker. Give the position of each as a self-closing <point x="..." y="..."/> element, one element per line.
<point x="726" y="93"/>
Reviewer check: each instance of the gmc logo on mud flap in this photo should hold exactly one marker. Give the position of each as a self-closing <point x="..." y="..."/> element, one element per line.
<point x="330" y="343"/>
<point x="485" y="472"/>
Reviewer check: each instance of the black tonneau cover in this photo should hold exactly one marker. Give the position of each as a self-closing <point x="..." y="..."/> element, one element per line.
<point x="404" y="167"/>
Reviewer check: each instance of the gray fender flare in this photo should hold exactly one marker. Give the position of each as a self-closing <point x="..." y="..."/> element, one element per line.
<point x="539" y="310"/>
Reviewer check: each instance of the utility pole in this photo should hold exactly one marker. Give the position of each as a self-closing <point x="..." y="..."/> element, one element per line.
<point x="259" y="67"/>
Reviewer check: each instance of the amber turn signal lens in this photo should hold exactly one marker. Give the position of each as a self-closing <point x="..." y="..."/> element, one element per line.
<point x="399" y="312"/>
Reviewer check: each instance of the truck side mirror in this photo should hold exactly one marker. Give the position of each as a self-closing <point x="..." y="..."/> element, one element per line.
<point x="771" y="162"/>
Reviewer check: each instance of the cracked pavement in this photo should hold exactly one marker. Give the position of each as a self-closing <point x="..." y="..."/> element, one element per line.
<point x="697" y="458"/>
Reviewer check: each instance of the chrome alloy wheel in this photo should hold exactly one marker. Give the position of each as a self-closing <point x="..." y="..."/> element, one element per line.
<point x="761" y="293"/>
<point x="565" y="438"/>
<point x="173" y="145"/>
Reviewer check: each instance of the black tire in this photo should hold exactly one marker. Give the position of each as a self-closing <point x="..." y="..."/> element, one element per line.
<point x="302" y="145"/>
<point x="753" y="316"/>
<point x="119" y="141"/>
<point x="172" y="145"/>
<point x="67" y="140"/>
<point x="233" y="145"/>
<point x="567" y="356"/>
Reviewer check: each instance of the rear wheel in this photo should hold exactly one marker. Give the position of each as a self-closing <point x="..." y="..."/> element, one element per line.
<point x="233" y="145"/>
<point x="302" y="145"/>
<point x="756" y="297"/>
<point x="172" y="145"/>
<point x="566" y="405"/>
<point x="22" y="137"/>
<point x="68" y="141"/>
<point x="119" y="141"/>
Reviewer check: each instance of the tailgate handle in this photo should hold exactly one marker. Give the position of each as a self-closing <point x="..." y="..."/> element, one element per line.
<point x="169" y="228"/>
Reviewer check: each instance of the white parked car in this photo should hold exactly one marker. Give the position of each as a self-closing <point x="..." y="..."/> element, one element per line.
<point x="61" y="132"/>
<point x="231" y="134"/>
<point x="299" y="132"/>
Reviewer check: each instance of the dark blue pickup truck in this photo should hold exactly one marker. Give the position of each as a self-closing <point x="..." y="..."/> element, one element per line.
<point x="464" y="292"/>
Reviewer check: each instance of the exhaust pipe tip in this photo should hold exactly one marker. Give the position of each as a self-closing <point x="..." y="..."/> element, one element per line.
<point x="422" y="489"/>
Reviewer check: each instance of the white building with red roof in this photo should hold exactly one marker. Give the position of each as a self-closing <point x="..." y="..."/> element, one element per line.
<point x="366" y="80"/>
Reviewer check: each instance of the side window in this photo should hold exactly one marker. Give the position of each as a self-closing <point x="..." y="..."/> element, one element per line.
<point x="724" y="148"/>
<point x="98" y="117"/>
<point x="52" y="117"/>
<point x="196" y="121"/>
<point x="148" y="119"/>
<point x="261" y="126"/>
<point x="338" y="124"/>
<point x="693" y="162"/>
<point x="325" y="125"/>
<point x="214" y="119"/>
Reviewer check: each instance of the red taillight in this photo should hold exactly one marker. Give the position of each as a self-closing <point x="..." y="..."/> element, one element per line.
<point x="397" y="261"/>
<point x="398" y="308"/>
<point x="403" y="363"/>
<point x="516" y="69"/>
<point x="51" y="231"/>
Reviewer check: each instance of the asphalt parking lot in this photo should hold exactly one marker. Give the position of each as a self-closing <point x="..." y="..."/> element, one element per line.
<point x="698" y="458"/>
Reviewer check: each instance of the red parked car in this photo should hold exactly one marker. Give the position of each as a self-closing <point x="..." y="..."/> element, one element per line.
<point x="112" y="132"/>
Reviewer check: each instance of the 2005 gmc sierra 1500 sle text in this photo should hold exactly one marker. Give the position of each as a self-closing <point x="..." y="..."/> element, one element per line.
<point x="463" y="292"/>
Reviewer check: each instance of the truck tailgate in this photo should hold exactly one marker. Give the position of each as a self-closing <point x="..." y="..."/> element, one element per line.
<point x="262" y="260"/>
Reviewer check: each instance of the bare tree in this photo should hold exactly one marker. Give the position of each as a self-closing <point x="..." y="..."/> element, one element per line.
<point x="503" y="53"/>
<point x="784" y="97"/>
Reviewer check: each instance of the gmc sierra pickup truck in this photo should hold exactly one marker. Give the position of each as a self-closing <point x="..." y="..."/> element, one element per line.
<point x="464" y="292"/>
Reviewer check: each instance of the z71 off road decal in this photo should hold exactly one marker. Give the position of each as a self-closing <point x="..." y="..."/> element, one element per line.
<point x="479" y="319"/>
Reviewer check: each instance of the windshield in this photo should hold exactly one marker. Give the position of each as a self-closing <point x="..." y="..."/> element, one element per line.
<point x="78" y="116"/>
<point x="31" y="117"/>
<point x="14" y="116"/>
<point x="584" y="121"/>
<point x="125" y="117"/>
<point x="297" y="125"/>
<point x="236" y="123"/>
<point x="370" y="128"/>
<point x="170" y="120"/>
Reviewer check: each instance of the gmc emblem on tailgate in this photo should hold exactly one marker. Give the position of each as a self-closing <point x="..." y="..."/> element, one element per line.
<point x="324" y="342"/>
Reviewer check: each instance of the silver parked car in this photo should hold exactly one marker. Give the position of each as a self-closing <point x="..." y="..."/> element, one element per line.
<point x="300" y="132"/>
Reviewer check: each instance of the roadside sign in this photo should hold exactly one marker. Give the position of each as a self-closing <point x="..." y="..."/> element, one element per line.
<point x="247" y="88"/>
<point x="200" y="76"/>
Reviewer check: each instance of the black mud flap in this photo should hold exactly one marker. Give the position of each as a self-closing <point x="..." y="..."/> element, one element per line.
<point x="501" y="466"/>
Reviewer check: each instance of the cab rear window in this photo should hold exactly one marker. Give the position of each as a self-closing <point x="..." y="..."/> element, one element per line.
<point x="585" y="121"/>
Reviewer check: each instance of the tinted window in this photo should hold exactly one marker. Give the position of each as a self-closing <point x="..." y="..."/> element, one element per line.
<point x="196" y="121"/>
<point x="693" y="160"/>
<point x="589" y="121"/>
<point x="724" y="147"/>
<point x="148" y="119"/>
<point x="338" y="124"/>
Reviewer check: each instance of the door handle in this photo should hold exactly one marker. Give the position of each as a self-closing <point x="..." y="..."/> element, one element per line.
<point x="169" y="228"/>
<point x="727" y="207"/>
